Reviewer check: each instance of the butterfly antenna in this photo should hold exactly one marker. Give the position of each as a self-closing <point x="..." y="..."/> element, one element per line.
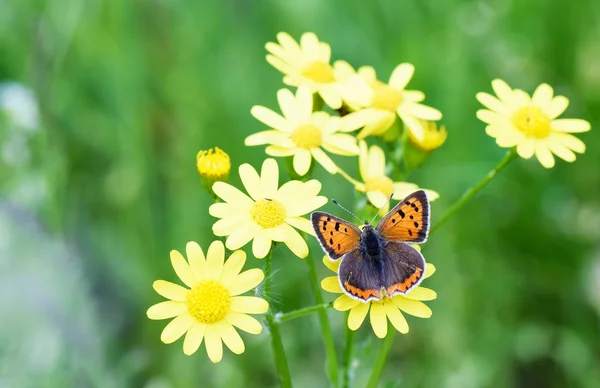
<point x="384" y="205"/>
<point x="353" y="215"/>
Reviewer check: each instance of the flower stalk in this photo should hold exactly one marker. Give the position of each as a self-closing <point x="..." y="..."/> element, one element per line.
<point x="284" y="317"/>
<point x="386" y="345"/>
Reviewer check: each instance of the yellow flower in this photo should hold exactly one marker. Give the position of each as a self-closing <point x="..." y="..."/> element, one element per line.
<point x="302" y="132"/>
<point x="269" y="214"/>
<point x="433" y="138"/>
<point x="308" y="64"/>
<point x="212" y="305"/>
<point x="379" y="103"/>
<point x="531" y="124"/>
<point x="213" y="164"/>
<point x="390" y="308"/>
<point x="371" y="164"/>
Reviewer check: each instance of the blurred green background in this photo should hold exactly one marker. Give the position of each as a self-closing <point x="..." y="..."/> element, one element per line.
<point x="115" y="98"/>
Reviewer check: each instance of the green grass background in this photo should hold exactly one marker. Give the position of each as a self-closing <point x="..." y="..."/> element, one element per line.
<point x="129" y="91"/>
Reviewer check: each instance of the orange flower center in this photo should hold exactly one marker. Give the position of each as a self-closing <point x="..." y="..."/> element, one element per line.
<point x="532" y="122"/>
<point x="208" y="301"/>
<point x="318" y="71"/>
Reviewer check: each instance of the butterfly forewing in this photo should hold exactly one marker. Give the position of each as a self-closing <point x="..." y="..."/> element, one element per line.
<point x="337" y="236"/>
<point x="408" y="220"/>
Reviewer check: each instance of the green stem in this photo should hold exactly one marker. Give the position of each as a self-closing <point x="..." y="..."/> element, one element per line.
<point x="283" y="317"/>
<point x="331" y="356"/>
<point x="281" y="363"/>
<point x="347" y="361"/>
<point x="381" y="358"/>
<point x="470" y="193"/>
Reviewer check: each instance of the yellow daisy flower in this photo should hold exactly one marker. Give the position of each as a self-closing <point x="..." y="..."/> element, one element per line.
<point x="530" y="123"/>
<point x="379" y="103"/>
<point x="269" y="213"/>
<point x="433" y="139"/>
<point x="302" y="132"/>
<point x="390" y="308"/>
<point x="213" y="304"/>
<point x="307" y="64"/>
<point x="377" y="185"/>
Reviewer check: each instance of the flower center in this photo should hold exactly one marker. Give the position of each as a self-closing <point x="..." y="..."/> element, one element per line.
<point x="307" y="136"/>
<point x="208" y="301"/>
<point x="318" y="71"/>
<point x="531" y="121"/>
<point x="213" y="164"/>
<point x="386" y="98"/>
<point x="382" y="184"/>
<point x="268" y="213"/>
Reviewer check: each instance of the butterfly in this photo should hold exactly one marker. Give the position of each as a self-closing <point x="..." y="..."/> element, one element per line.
<point x="377" y="262"/>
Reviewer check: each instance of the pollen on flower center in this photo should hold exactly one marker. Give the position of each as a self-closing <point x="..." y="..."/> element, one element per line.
<point x="386" y="98"/>
<point x="307" y="136"/>
<point x="382" y="184"/>
<point x="208" y="301"/>
<point x="532" y="121"/>
<point x="318" y="71"/>
<point x="268" y="213"/>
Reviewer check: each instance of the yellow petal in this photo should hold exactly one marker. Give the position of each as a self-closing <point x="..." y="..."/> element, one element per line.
<point x="165" y="310"/>
<point x="193" y="338"/>
<point x="423" y="112"/>
<point x="295" y="242"/>
<point x="301" y="223"/>
<point x="170" y="290"/>
<point x="502" y="90"/>
<point x="287" y="103"/>
<point x="332" y="265"/>
<point x="542" y="96"/>
<point x="396" y="317"/>
<point x="421" y="293"/>
<point x="570" y="125"/>
<point x="542" y="152"/>
<point x="242" y="235"/>
<point x="375" y="163"/>
<point x="230" y="337"/>
<point x="214" y="260"/>
<point x="304" y="206"/>
<point x="182" y="269"/>
<point x="331" y="284"/>
<point x="214" y="347"/>
<point x="378" y="320"/>
<point x="302" y="161"/>
<point x="401" y="76"/>
<point x="344" y="302"/>
<point x="304" y="103"/>
<point x="251" y="181"/>
<point x="526" y="148"/>
<point x="557" y="106"/>
<point x="232" y="267"/>
<point x="324" y="160"/>
<point x="246" y="281"/>
<point x="230" y="194"/>
<point x="429" y="270"/>
<point x="270" y="118"/>
<point x="570" y="141"/>
<point x="269" y="178"/>
<point x="176" y="328"/>
<point x="558" y="149"/>
<point x="244" y="322"/>
<point x="357" y="315"/>
<point x="490" y="102"/>
<point x="249" y="304"/>
<point x="261" y="244"/>
<point x="196" y="259"/>
<point x="412" y="307"/>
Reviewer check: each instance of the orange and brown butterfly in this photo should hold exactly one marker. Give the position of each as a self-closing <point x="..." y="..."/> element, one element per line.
<point x="378" y="262"/>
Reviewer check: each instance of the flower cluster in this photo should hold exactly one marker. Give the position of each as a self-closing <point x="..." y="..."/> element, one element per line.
<point x="335" y="111"/>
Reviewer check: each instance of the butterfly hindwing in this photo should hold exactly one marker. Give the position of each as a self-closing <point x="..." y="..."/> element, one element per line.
<point x="403" y="268"/>
<point x="408" y="220"/>
<point x="360" y="277"/>
<point x="337" y="236"/>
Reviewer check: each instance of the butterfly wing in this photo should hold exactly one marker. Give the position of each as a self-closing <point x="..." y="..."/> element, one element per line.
<point x="360" y="277"/>
<point x="336" y="236"/>
<point x="408" y="220"/>
<point x="403" y="268"/>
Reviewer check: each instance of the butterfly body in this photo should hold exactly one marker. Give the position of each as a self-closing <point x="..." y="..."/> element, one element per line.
<point x="376" y="261"/>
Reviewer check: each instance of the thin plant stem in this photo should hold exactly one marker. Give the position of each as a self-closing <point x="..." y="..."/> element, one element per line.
<point x="284" y="317"/>
<point x="381" y="358"/>
<point x="470" y="193"/>
<point x="283" y="370"/>
<point x="330" y="352"/>
<point x="347" y="360"/>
